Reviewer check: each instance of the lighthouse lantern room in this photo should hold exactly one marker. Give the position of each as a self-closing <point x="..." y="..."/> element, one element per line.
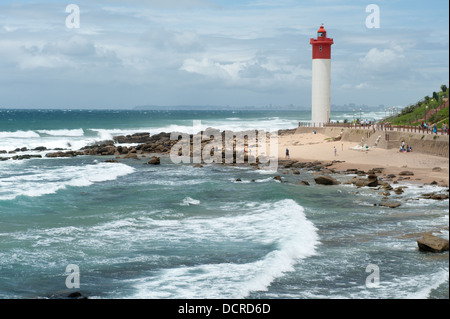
<point x="321" y="77"/>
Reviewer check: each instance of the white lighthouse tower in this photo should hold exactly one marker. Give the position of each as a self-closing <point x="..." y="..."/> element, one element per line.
<point x="321" y="77"/>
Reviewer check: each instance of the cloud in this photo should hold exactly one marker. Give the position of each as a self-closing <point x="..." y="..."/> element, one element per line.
<point x="250" y="50"/>
<point x="377" y="59"/>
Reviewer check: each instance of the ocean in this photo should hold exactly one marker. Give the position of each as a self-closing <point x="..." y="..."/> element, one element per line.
<point x="175" y="231"/>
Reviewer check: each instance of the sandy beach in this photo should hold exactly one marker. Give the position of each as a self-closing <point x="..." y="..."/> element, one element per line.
<point x="311" y="147"/>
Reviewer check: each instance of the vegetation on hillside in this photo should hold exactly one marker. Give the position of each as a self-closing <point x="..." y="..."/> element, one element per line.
<point x="431" y="109"/>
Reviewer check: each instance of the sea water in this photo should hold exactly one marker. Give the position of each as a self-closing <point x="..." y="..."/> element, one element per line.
<point x="177" y="231"/>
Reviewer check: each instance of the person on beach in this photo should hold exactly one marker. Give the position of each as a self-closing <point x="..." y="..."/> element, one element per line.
<point x="287" y="153"/>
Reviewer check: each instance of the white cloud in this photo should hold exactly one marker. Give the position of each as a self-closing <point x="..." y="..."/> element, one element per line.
<point x="247" y="50"/>
<point x="377" y="59"/>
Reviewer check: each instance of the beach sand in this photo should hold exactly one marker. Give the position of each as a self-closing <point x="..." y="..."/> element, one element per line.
<point x="311" y="147"/>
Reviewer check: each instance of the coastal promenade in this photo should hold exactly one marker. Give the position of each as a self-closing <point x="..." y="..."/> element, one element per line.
<point x="377" y="127"/>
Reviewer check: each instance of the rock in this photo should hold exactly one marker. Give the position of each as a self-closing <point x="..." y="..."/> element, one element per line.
<point x="63" y="154"/>
<point x="198" y="165"/>
<point x="111" y="161"/>
<point x="386" y="186"/>
<point x="76" y="295"/>
<point x="40" y="149"/>
<point x="392" y="176"/>
<point x="68" y="295"/>
<point x="431" y="243"/>
<point x="296" y="172"/>
<point x="435" y="196"/>
<point x="439" y="197"/>
<point x="371" y="181"/>
<point x="135" y="138"/>
<point x="406" y="173"/>
<point x="154" y="161"/>
<point x="390" y="204"/>
<point x="131" y="155"/>
<point x="277" y="178"/>
<point x="22" y="157"/>
<point x="304" y="183"/>
<point x="239" y="180"/>
<point x="437" y="169"/>
<point x="326" y="180"/>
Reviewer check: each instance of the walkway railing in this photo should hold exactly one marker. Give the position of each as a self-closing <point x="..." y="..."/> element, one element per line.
<point x="379" y="127"/>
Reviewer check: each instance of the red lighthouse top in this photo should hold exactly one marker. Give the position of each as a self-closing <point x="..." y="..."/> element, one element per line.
<point x="321" y="45"/>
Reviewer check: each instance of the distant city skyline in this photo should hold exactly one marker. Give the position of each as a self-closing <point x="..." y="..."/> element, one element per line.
<point x="217" y="52"/>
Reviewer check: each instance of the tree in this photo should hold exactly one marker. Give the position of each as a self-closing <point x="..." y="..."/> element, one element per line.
<point x="427" y="99"/>
<point x="444" y="88"/>
<point x="435" y="96"/>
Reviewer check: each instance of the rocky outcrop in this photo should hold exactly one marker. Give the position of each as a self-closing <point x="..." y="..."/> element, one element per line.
<point x="326" y="180"/>
<point x="406" y="173"/>
<point x="155" y="160"/>
<point x="64" y="154"/>
<point x="431" y="243"/>
<point x="435" y="196"/>
<point x="370" y="181"/>
<point x="137" y="138"/>
<point x="389" y="204"/>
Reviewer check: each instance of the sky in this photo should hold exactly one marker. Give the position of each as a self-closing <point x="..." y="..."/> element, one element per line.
<point x="217" y="52"/>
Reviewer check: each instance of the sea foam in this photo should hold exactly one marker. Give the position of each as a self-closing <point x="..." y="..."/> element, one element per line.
<point x="38" y="182"/>
<point x="282" y="224"/>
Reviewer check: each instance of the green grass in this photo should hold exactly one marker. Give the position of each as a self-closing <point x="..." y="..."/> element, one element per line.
<point x="413" y="114"/>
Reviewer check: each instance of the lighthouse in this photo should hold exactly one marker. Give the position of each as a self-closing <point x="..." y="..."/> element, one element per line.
<point x="321" y="77"/>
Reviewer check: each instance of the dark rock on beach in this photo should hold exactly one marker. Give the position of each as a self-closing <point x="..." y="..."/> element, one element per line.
<point x="154" y="161"/>
<point x="370" y="181"/>
<point x="68" y="295"/>
<point x="24" y="157"/>
<point x="435" y="196"/>
<point x="326" y="180"/>
<point x="64" y="154"/>
<point x="390" y="204"/>
<point x="431" y="243"/>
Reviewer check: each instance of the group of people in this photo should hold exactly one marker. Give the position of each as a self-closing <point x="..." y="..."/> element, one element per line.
<point x="405" y="149"/>
<point x="434" y="127"/>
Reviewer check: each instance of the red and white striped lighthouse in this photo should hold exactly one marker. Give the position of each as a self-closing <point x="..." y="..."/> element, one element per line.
<point x="321" y="77"/>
